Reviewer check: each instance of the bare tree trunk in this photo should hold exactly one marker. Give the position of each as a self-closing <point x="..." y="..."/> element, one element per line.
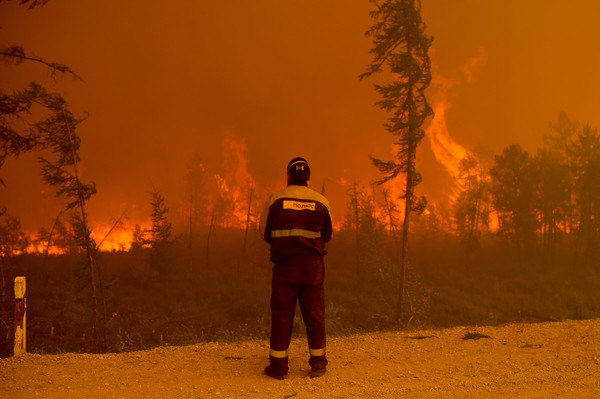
<point x="190" y="244"/>
<point x="357" y="229"/>
<point x="211" y="227"/>
<point x="90" y="259"/>
<point x="88" y="247"/>
<point x="390" y="213"/>
<point x="101" y="285"/>
<point x="403" y="255"/>
<point x="2" y="290"/>
<point x="247" y="223"/>
<point x="50" y="236"/>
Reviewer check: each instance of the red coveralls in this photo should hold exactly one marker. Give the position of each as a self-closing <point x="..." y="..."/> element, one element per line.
<point x="297" y="225"/>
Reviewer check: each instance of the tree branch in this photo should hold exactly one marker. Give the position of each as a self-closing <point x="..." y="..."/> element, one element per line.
<point x="17" y="55"/>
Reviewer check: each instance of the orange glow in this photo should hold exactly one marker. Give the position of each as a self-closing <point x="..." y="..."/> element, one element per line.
<point x="494" y="224"/>
<point x="119" y="239"/>
<point x="40" y="248"/>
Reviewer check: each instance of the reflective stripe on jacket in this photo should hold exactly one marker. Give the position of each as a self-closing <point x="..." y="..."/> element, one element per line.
<point x="296" y="222"/>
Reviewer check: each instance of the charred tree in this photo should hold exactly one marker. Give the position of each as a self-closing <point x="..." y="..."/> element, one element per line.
<point x="248" y="214"/>
<point x="390" y="210"/>
<point x="468" y="204"/>
<point x="211" y="227"/>
<point x="196" y="185"/>
<point x="400" y="45"/>
<point x="354" y="212"/>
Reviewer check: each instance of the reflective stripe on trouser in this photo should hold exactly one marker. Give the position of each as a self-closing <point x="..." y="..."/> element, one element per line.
<point x="283" y="306"/>
<point x="295" y="233"/>
<point x="278" y="354"/>
<point x="317" y="352"/>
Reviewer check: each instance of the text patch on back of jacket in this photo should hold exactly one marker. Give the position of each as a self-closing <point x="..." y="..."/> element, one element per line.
<point x="299" y="206"/>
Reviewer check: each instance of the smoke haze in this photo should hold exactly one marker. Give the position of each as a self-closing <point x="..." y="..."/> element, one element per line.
<point x="268" y="80"/>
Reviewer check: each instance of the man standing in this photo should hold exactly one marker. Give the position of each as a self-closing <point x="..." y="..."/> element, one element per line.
<point x="297" y="224"/>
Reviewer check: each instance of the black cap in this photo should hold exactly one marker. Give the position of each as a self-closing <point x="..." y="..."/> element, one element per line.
<point x="298" y="169"/>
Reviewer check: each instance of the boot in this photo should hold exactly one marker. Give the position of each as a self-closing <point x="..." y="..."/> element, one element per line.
<point x="278" y="368"/>
<point x="318" y="366"/>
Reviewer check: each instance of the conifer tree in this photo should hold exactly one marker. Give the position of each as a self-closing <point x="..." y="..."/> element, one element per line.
<point x="15" y="137"/>
<point x="512" y="188"/>
<point x="161" y="234"/>
<point x="13" y="107"/>
<point x="401" y="47"/>
<point x="468" y="212"/>
<point x="584" y="159"/>
<point x="58" y="134"/>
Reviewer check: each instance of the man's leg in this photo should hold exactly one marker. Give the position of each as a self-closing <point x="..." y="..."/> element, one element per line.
<point x="312" y="305"/>
<point x="283" y="306"/>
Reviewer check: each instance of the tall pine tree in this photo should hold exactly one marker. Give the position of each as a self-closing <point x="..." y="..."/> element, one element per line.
<point x="400" y="46"/>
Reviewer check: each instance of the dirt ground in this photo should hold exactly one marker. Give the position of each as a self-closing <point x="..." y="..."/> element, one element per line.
<point x="546" y="360"/>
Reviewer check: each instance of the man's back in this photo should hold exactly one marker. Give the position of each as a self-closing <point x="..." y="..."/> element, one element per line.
<point x="298" y="223"/>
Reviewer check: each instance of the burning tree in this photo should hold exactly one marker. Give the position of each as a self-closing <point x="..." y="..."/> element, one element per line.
<point x="401" y="44"/>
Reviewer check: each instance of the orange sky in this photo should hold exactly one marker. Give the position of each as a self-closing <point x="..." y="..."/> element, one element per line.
<point x="162" y="80"/>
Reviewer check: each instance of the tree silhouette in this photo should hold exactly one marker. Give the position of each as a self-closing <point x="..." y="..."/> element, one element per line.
<point x="553" y="197"/>
<point x="401" y="45"/>
<point x="512" y="188"/>
<point x="390" y="209"/>
<point x="58" y="133"/>
<point x="468" y="208"/>
<point x="30" y="3"/>
<point x="196" y="181"/>
<point x="14" y="107"/>
<point x="14" y="141"/>
<point x="584" y="158"/>
<point x="161" y="235"/>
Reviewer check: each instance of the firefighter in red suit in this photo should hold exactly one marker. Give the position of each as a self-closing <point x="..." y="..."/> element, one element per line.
<point x="297" y="224"/>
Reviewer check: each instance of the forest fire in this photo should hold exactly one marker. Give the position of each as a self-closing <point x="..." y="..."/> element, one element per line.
<point x="107" y="238"/>
<point x="189" y="144"/>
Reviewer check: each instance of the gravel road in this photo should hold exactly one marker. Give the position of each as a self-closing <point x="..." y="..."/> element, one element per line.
<point x="546" y="360"/>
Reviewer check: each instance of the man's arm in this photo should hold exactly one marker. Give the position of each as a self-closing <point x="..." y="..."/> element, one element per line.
<point x="327" y="230"/>
<point x="264" y="226"/>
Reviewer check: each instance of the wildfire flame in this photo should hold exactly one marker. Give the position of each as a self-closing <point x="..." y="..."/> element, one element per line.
<point x="119" y="239"/>
<point x="447" y="151"/>
<point x="237" y="182"/>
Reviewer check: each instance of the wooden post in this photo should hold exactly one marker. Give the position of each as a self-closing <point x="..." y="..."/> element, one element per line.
<point x="20" y="308"/>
